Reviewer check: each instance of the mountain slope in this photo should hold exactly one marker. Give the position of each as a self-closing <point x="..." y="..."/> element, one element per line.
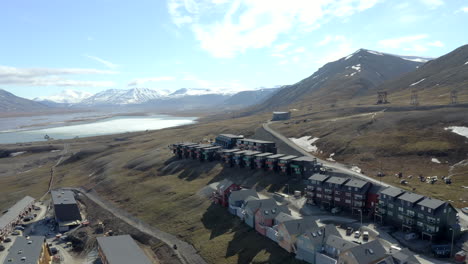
<point x="65" y="97"/>
<point x="248" y="98"/>
<point x="433" y="81"/>
<point x="353" y="76"/>
<point x="122" y="97"/>
<point x="12" y="103"/>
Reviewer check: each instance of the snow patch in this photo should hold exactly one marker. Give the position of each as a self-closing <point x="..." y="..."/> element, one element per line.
<point x="356" y="169"/>
<point x="14" y="154"/>
<point x="435" y="160"/>
<point x="462" y="131"/>
<point x="330" y="158"/>
<point x="375" y="52"/>
<point x="306" y="143"/>
<point x="413" y="84"/>
<point x="351" y="74"/>
<point x="55" y="150"/>
<point x="349" y="56"/>
<point x="357" y="67"/>
<point x="466" y="63"/>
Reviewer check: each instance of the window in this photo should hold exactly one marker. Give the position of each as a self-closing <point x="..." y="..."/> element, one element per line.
<point x="422" y="208"/>
<point x="429" y="210"/>
<point x="319" y="195"/>
<point x="390" y="205"/>
<point x="348" y="194"/>
<point x="356" y="189"/>
<point x="420" y="224"/>
<point x="390" y="213"/>
<point x="347" y="201"/>
<point x="400" y="217"/>
<point x="337" y="199"/>
<point x="420" y="215"/>
<point x="337" y="193"/>
<point x="349" y="188"/>
<point x="400" y="209"/>
<point x="384" y="196"/>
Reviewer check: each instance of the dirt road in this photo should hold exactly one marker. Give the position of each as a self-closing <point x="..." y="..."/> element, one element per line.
<point x="338" y="167"/>
<point x="185" y="251"/>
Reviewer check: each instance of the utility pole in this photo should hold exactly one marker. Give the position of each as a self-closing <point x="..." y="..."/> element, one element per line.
<point x="453" y="97"/>
<point x="414" y="98"/>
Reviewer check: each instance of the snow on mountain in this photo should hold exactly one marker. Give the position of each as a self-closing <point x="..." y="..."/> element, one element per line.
<point x="65" y="97"/>
<point x="199" y="91"/>
<point x="124" y="97"/>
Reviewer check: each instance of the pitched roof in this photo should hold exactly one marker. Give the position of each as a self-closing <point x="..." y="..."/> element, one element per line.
<point x="258" y="141"/>
<point x="63" y="197"/>
<point x="289" y="157"/>
<point x="270" y="210"/>
<point x="405" y="256"/>
<point x="299" y="226"/>
<point x="281" y="217"/>
<point x="411" y="197"/>
<point x="275" y="156"/>
<point x="251" y="152"/>
<point x="319" y="235"/>
<point x="253" y="204"/>
<point x="431" y="203"/>
<point x="264" y="154"/>
<point x="339" y="243"/>
<point x="392" y="191"/>
<point x="224" y="184"/>
<point x="229" y="150"/>
<point x="356" y="183"/>
<point x="337" y="180"/>
<point x="241" y="195"/>
<point x="14" y="211"/>
<point x="122" y="250"/>
<point x="305" y="158"/>
<point x="319" y="177"/>
<point x="232" y="136"/>
<point x="368" y="252"/>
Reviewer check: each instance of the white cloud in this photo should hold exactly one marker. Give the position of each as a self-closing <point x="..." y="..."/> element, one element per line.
<point x="254" y="24"/>
<point x="141" y="81"/>
<point x="432" y="4"/>
<point x="38" y="77"/>
<point x="105" y="62"/>
<point x="464" y="9"/>
<point x="436" y="43"/>
<point x="396" y="43"/>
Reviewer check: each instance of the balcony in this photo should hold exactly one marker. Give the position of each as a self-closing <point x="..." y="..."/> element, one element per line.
<point x="358" y="197"/>
<point x="311" y="188"/>
<point x="328" y="191"/>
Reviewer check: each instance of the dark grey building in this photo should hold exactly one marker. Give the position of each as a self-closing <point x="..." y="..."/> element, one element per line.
<point x="227" y="140"/>
<point x="257" y="145"/>
<point x="67" y="212"/>
<point x="281" y="116"/>
<point x="120" y="250"/>
<point x="31" y="249"/>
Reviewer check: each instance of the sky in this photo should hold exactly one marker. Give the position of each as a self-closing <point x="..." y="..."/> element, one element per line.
<point x="94" y="45"/>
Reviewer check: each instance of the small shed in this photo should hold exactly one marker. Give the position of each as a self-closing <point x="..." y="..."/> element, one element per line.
<point x="278" y="116"/>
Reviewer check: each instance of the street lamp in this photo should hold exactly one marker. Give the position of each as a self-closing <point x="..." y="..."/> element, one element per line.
<point x="453" y="236"/>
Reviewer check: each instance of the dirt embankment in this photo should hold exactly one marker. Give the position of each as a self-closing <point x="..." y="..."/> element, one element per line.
<point x="84" y="239"/>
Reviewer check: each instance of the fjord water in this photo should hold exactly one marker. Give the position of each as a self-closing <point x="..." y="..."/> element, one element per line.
<point x="108" y="126"/>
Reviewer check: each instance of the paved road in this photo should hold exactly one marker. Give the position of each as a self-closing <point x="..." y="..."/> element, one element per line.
<point x="186" y="252"/>
<point x="338" y="167"/>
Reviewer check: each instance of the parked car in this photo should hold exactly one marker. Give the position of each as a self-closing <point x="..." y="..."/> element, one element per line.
<point x="7" y="240"/>
<point x="365" y="235"/>
<point x="16" y="233"/>
<point x="349" y="231"/>
<point x="37" y="208"/>
<point x="357" y="234"/>
<point x="411" y="236"/>
<point x="53" y="250"/>
<point x="335" y="210"/>
<point x="27" y="218"/>
<point x="19" y="228"/>
<point x="2" y="248"/>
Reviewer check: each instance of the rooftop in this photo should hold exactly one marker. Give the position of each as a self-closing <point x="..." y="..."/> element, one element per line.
<point x="242" y="195"/>
<point x="319" y="235"/>
<point x="281" y="217"/>
<point x="339" y="243"/>
<point x="231" y="136"/>
<point x="27" y="248"/>
<point x="187" y="144"/>
<point x="299" y="226"/>
<point x="431" y="203"/>
<point x="212" y="148"/>
<point x="258" y="141"/>
<point x="392" y="191"/>
<point x="275" y="156"/>
<point x="319" y="177"/>
<point x="290" y="157"/>
<point x="337" y="180"/>
<point x="368" y="252"/>
<point x="122" y="250"/>
<point x="224" y="184"/>
<point x="411" y="197"/>
<point x="251" y="152"/>
<point x="277" y="113"/>
<point x="204" y="146"/>
<point x="230" y="150"/>
<point x="264" y="154"/>
<point x="15" y="210"/>
<point x="305" y="158"/>
<point x="356" y="183"/>
<point x="405" y="256"/>
<point x="63" y="197"/>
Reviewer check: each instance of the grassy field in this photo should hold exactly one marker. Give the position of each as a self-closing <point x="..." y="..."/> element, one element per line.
<point x="138" y="173"/>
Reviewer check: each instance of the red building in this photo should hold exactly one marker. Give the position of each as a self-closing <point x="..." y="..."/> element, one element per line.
<point x="224" y="189"/>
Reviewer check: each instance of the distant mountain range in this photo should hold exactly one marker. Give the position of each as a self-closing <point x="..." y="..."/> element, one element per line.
<point x="65" y="97"/>
<point x="11" y="103"/>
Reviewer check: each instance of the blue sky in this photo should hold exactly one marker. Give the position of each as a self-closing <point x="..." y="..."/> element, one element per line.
<point x="93" y="45"/>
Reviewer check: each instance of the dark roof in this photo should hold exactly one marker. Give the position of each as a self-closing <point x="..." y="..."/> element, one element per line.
<point x="241" y="195"/>
<point x="290" y="157"/>
<point x="411" y="197"/>
<point x="204" y="146"/>
<point x="431" y="203"/>
<point x="319" y="177"/>
<point x="22" y="248"/>
<point x="356" y="183"/>
<point x="264" y="154"/>
<point x="187" y="144"/>
<point x="375" y="189"/>
<point x="305" y="158"/>
<point x="368" y="252"/>
<point x="320" y="235"/>
<point x="63" y="197"/>
<point x="277" y="113"/>
<point x="15" y="211"/>
<point x="339" y="243"/>
<point x="337" y="180"/>
<point x="392" y="192"/>
<point x="275" y="156"/>
<point x="281" y="217"/>
<point x="299" y="226"/>
<point x="122" y="250"/>
<point x="240" y="152"/>
<point x="231" y="136"/>
<point x="254" y="204"/>
<point x="212" y="148"/>
<point x="270" y="211"/>
<point x="405" y="256"/>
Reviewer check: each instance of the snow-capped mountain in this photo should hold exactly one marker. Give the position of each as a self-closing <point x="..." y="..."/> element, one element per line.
<point x="405" y="57"/>
<point x="124" y="97"/>
<point x="65" y="97"/>
<point x="198" y="91"/>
